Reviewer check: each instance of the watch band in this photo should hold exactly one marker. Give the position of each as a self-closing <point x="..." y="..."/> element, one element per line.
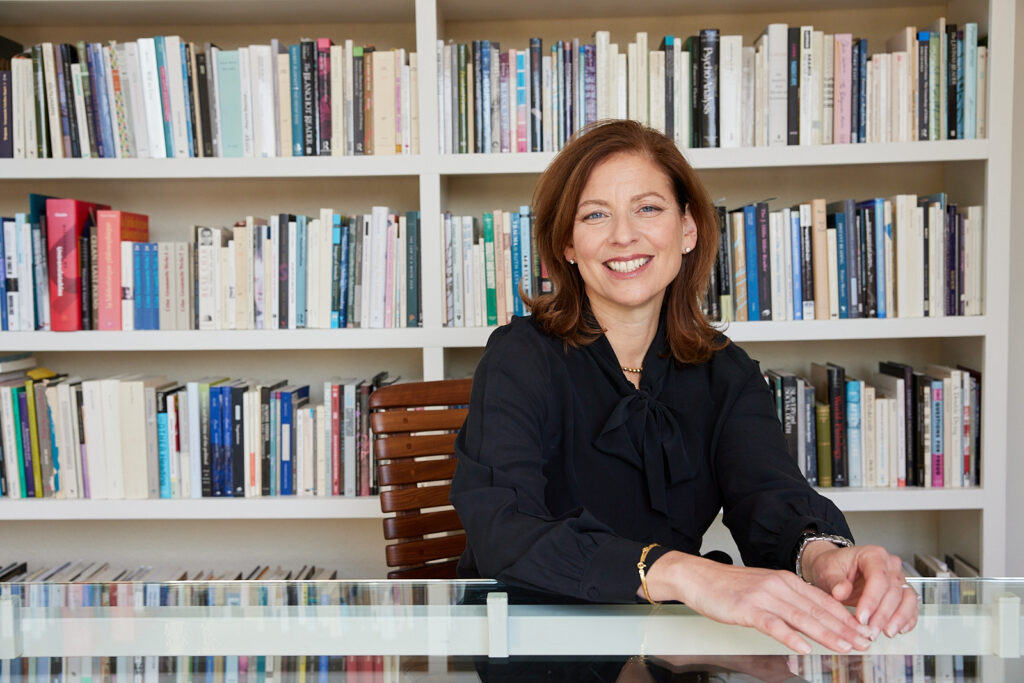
<point x="811" y="536"/>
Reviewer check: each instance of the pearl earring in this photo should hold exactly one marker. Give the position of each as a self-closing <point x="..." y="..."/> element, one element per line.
<point x="572" y="262"/>
<point x="687" y="250"/>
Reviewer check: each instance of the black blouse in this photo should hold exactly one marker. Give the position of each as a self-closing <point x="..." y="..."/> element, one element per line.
<point x="566" y="470"/>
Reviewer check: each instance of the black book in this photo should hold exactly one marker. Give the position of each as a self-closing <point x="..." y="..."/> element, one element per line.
<point x="953" y="270"/>
<point x="237" y="453"/>
<point x="784" y="387"/>
<point x="723" y="263"/>
<point x="190" y="99"/>
<point x="357" y="101"/>
<point x="870" y="271"/>
<point x="793" y="87"/>
<point x="42" y="119"/>
<point x="323" y="99"/>
<point x="806" y="266"/>
<point x="283" y="273"/>
<point x="350" y="293"/>
<point x="88" y="99"/>
<point x="568" y="69"/>
<point x="362" y="232"/>
<point x="911" y="437"/>
<point x="670" y="70"/>
<point x="855" y="262"/>
<point x="309" y="102"/>
<point x="855" y="92"/>
<point x="6" y="116"/>
<point x="830" y="386"/>
<point x="69" y="56"/>
<point x="85" y="278"/>
<point x="961" y="246"/>
<point x="923" y="85"/>
<point x="764" y="260"/>
<point x="266" y="461"/>
<point x="204" y="104"/>
<point x="709" y="49"/>
<point x="952" y="80"/>
<point x="478" y="123"/>
<point x="696" y="88"/>
<point x="711" y="307"/>
<point x="536" y="97"/>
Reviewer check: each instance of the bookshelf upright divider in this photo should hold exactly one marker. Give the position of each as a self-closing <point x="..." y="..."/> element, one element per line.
<point x="967" y="521"/>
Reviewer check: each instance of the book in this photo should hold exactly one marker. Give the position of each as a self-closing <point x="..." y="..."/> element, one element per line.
<point x="68" y="221"/>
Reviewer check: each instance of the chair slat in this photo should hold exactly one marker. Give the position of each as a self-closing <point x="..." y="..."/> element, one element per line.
<point x="414" y="446"/>
<point x="417" y="420"/>
<point x="409" y="526"/>
<point x="441" y="393"/>
<point x="403" y="500"/>
<point x="438" y="570"/>
<point x="418" y="552"/>
<point x="415" y="471"/>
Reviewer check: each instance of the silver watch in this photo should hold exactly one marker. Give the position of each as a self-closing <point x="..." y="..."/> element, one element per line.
<point x="807" y="538"/>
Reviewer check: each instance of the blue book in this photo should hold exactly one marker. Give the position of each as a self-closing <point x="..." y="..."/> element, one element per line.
<point x="970" y="78"/>
<point x="97" y="97"/>
<point x="750" y="236"/>
<point x="880" y="255"/>
<point x="275" y="440"/>
<point x="517" y="304"/>
<point x="854" y="443"/>
<point x="526" y="249"/>
<point x="188" y="112"/>
<point x="106" y="102"/>
<point x="161" y="66"/>
<point x="153" y="285"/>
<point x="230" y="90"/>
<point x="163" y="454"/>
<point x="138" y="266"/>
<point x="521" y="99"/>
<point x="797" y="241"/>
<point x="295" y="87"/>
<point x="485" y="93"/>
<point x="301" y="267"/>
<point x="960" y="85"/>
<point x="226" y="441"/>
<point x="40" y="267"/>
<point x="3" y="279"/>
<point x="292" y="398"/>
<point x="337" y="269"/>
<point x="343" y="282"/>
<point x="215" y="436"/>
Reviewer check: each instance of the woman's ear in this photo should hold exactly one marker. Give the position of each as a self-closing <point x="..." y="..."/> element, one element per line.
<point x="689" y="231"/>
<point x="570" y="253"/>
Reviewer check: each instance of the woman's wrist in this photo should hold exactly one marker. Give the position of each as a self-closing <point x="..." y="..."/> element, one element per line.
<point x="669" y="576"/>
<point x="811" y="553"/>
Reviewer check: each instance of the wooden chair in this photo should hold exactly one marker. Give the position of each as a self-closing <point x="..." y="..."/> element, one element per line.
<point x="414" y="451"/>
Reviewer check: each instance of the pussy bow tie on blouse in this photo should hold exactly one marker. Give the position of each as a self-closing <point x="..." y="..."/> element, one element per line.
<point x="643" y="431"/>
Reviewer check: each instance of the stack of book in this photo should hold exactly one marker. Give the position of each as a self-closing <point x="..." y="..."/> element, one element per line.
<point x="164" y="97"/>
<point x="126" y="589"/>
<point x="137" y="437"/>
<point x="899" y="428"/>
<point x="905" y="256"/>
<point x="487" y="263"/>
<point x="101" y="271"/>
<point x="794" y="86"/>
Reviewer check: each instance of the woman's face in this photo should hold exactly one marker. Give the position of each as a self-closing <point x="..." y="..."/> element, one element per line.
<point x="629" y="235"/>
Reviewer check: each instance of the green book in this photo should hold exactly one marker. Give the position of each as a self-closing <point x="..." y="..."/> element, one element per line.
<point x="230" y="90"/>
<point x="19" y="451"/>
<point x="37" y="472"/>
<point x="489" y="272"/>
<point x="412" y="268"/>
<point x="824" y="438"/>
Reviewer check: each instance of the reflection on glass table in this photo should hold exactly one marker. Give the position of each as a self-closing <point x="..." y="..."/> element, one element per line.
<point x="320" y="631"/>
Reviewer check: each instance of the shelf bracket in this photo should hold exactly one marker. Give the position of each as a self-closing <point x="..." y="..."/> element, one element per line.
<point x="1007" y="626"/>
<point x="10" y="627"/>
<point x="497" y="624"/>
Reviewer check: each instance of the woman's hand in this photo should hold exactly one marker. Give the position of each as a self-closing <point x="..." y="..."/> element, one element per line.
<point x="867" y="578"/>
<point x="777" y="603"/>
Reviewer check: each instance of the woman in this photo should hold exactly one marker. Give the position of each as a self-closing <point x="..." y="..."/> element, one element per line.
<point x="607" y="430"/>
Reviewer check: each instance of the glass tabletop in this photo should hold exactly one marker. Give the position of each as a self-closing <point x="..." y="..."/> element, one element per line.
<point x="316" y="631"/>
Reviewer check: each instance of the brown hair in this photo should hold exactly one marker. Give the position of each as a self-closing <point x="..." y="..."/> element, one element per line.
<point x="564" y="313"/>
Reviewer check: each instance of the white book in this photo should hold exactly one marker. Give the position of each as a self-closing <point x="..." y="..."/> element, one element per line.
<point x="248" y="121"/>
<point x="70" y="459"/>
<point x="194" y="435"/>
<point x="445" y="105"/>
<point x="207" y="257"/>
<point x="282" y="97"/>
<point x="292" y="274"/>
<point x="92" y="414"/>
<point x="642" y="83"/>
<point x="151" y="101"/>
<point x="414" y="103"/>
<point x="176" y="86"/>
<point x="869" y="449"/>
<point x="748" y="74"/>
<point x="680" y="95"/>
<point x="601" y="41"/>
<point x="165" y="272"/>
<point x="383" y="102"/>
<point x="32" y="119"/>
<point x="546" y="119"/>
<point x="479" y="301"/>
<point x="785" y="234"/>
<point x="937" y="258"/>
<point x="908" y="247"/>
<point x="347" y="87"/>
<point x="730" y="90"/>
<point x="828" y="82"/>
<point x="622" y="78"/>
<point x="52" y="102"/>
<point x="325" y="283"/>
<point x="184" y="432"/>
<point x="226" y="278"/>
<point x="656" y="88"/>
<point x="11" y="464"/>
<point x="337" y="101"/>
<point x="131" y="86"/>
<point x="778" y="84"/>
<point x="981" y="130"/>
<point x="80" y="114"/>
<point x="19" y="110"/>
<point x="379" y="244"/>
<point x="262" y="67"/>
<point x="973" y="255"/>
<point x="313" y="246"/>
<point x="469" y="273"/>
<point x="323" y="462"/>
<point x="183" y="280"/>
<point x="173" y="454"/>
<point x="883" y="410"/>
<point x="453" y="228"/>
<point x="133" y="438"/>
<point x="110" y="61"/>
<point x="213" y="86"/>
<point x="247" y="443"/>
<point x="273" y="270"/>
<point x="25" y="274"/>
<point x="778" y="265"/>
<point x="761" y="92"/>
<point x="633" y="99"/>
<point x="898" y="88"/>
<point x="807" y="85"/>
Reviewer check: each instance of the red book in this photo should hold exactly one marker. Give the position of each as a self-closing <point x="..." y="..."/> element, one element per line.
<point x="114" y="227"/>
<point x="67" y="220"/>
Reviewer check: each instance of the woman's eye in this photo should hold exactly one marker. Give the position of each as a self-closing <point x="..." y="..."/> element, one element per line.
<point x="593" y="216"/>
<point x="649" y="209"/>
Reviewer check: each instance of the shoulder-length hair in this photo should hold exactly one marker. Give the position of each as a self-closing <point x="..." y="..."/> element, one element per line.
<point x="564" y="312"/>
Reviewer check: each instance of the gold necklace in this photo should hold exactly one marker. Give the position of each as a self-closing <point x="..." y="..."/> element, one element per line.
<point x="635" y="371"/>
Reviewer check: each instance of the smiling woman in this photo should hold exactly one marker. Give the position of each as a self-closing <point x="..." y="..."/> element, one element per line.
<point x="607" y="430"/>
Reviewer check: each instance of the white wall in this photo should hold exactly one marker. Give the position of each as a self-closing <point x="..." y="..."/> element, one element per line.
<point x="1015" y="404"/>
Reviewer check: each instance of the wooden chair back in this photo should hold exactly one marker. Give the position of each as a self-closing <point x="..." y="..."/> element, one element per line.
<point x="414" y="453"/>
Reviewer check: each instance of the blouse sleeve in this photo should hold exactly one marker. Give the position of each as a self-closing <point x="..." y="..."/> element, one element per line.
<point x="499" y="490"/>
<point x="767" y="502"/>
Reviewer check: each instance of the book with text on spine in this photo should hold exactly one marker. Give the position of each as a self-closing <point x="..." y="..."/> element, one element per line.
<point x="67" y="221"/>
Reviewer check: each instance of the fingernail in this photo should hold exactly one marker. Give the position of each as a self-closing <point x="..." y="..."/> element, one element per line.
<point x="804" y="648"/>
<point x="874" y="632"/>
<point x="863" y="643"/>
<point x="844" y="646"/>
<point x="905" y="629"/>
<point x="863" y="617"/>
<point x="890" y="632"/>
<point x="865" y="631"/>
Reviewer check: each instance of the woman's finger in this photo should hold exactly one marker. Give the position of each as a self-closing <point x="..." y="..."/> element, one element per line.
<point x="905" y="618"/>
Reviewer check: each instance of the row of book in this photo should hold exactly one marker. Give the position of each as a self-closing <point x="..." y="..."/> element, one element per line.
<point x="165" y="97"/>
<point x="71" y="265"/>
<point x="128" y="591"/>
<point x="905" y="256"/>
<point x="145" y="436"/>
<point x="794" y="86"/>
<point x="485" y="263"/>
<point x="898" y="428"/>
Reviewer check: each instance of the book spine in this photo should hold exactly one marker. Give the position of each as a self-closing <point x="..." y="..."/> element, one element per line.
<point x="709" y="115"/>
<point x="308" y="112"/>
<point x="753" y="263"/>
<point x="764" y="265"/>
<point x="323" y="89"/>
<point x="793" y="85"/>
<point x="837" y="417"/>
<point x="536" y="97"/>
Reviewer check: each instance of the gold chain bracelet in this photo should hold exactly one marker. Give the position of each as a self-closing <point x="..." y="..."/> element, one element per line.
<point x="642" y="568"/>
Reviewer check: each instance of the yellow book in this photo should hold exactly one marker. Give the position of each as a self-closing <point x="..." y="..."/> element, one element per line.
<point x="37" y="473"/>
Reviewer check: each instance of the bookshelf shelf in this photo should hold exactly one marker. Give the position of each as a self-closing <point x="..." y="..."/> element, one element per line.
<point x="895" y="500"/>
<point x="208" y="168"/>
<point x="748" y="157"/>
<point x="367" y="507"/>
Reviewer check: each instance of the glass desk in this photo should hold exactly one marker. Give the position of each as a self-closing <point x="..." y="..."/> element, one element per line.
<point x="325" y="631"/>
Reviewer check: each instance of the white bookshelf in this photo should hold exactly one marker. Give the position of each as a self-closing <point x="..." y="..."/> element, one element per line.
<point x="177" y="193"/>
